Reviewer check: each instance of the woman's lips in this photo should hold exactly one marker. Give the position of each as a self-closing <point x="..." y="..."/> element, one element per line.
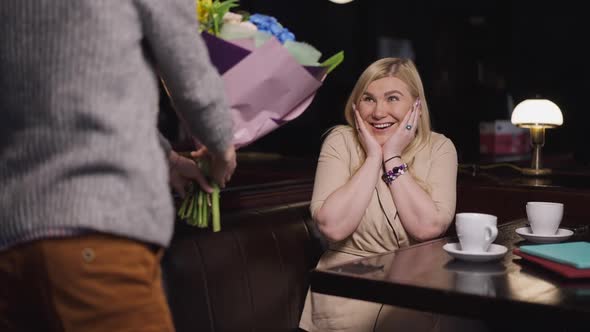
<point x="382" y="126"/>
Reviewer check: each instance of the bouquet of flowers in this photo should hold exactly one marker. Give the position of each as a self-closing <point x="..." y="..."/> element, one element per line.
<point x="269" y="77"/>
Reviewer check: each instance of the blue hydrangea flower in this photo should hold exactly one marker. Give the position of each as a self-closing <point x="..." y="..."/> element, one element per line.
<point x="275" y="28"/>
<point x="271" y="26"/>
<point x="263" y="22"/>
<point x="286" y="35"/>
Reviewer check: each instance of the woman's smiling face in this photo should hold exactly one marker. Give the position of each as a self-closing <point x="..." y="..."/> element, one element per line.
<point x="383" y="106"/>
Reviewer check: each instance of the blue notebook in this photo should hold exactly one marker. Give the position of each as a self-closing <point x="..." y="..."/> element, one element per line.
<point x="576" y="254"/>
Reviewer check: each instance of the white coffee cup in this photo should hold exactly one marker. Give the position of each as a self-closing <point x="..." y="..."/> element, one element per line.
<point x="476" y="231"/>
<point x="544" y="217"/>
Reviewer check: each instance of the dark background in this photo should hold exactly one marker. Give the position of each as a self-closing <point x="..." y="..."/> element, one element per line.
<point x="470" y="55"/>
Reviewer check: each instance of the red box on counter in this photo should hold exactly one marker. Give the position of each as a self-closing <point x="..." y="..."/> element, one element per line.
<point x="501" y="137"/>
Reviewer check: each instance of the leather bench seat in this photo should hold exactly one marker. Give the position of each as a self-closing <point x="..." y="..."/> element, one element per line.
<point x="250" y="276"/>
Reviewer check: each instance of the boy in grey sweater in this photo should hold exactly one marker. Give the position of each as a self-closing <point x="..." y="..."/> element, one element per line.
<point x="84" y="185"/>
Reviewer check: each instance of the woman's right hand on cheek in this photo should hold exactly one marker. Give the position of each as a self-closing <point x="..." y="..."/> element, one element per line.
<point x="369" y="143"/>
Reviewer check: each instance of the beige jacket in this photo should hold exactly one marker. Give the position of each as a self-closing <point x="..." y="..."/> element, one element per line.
<point x="379" y="231"/>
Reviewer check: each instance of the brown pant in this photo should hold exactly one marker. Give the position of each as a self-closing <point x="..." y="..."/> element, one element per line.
<point x="86" y="283"/>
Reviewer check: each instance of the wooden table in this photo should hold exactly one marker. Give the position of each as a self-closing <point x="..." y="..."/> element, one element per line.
<point x="509" y="292"/>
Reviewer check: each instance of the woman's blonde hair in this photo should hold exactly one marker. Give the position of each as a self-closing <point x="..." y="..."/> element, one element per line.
<point x="405" y="70"/>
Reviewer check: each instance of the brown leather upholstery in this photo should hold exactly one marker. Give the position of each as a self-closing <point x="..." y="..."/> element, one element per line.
<point x="251" y="276"/>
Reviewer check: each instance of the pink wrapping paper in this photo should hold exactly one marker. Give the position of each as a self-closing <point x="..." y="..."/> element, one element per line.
<point x="266" y="87"/>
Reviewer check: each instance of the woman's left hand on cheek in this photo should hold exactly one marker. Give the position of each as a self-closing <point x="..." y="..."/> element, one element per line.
<point x="403" y="135"/>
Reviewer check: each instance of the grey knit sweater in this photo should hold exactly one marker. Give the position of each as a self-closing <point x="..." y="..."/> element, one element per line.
<point x="79" y="147"/>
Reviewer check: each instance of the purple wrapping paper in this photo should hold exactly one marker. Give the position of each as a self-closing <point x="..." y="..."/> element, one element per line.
<point x="224" y="55"/>
<point x="266" y="87"/>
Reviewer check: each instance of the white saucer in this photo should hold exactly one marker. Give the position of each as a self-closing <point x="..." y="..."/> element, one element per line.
<point x="562" y="235"/>
<point x="495" y="252"/>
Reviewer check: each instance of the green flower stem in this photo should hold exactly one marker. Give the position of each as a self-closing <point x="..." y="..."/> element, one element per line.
<point x="204" y="212"/>
<point x="216" y="24"/>
<point x="182" y="209"/>
<point x="199" y="208"/>
<point x="194" y="220"/>
<point x="191" y="207"/>
<point x="215" y="215"/>
<point x="199" y="211"/>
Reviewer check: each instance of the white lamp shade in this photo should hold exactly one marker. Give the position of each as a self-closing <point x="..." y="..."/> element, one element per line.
<point x="537" y="113"/>
<point x="341" y="1"/>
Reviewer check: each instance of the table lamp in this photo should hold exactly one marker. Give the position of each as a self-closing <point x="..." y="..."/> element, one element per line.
<point x="537" y="114"/>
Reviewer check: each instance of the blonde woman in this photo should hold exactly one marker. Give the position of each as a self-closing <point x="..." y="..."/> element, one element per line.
<point x="383" y="182"/>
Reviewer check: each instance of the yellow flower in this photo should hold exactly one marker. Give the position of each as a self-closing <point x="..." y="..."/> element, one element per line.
<point x="203" y="8"/>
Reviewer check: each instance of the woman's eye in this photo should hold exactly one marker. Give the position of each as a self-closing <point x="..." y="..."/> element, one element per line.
<point x="392" y="98"/>
<point x="367" y="99"/>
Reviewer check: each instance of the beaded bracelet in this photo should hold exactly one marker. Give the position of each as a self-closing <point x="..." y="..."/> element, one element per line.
<point x="394" y="173"/>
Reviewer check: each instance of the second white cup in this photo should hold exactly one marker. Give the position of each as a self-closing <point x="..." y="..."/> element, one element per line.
<point x="476" y="231"/>
<point x="544" y="217"/>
